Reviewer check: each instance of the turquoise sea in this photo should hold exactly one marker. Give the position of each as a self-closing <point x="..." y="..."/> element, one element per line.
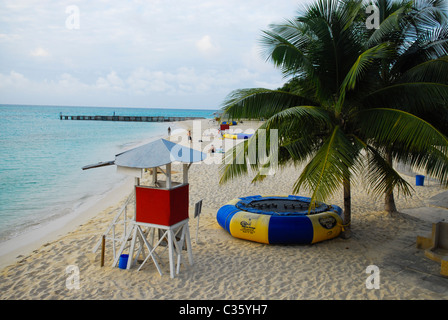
<point x="41" y="158"/>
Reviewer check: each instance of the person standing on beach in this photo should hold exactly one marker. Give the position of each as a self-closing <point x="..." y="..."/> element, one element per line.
<point x="169" y="131"/>
<point x="189" y="136"/>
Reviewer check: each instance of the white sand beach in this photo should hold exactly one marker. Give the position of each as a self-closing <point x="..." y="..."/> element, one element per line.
<point x="229" y="268"/>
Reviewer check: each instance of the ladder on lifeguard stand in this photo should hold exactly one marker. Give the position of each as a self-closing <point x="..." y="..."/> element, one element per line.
<point x="120" y="226"/>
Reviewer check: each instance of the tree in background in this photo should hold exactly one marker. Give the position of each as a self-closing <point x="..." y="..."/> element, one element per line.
<point x="323" y="116"/>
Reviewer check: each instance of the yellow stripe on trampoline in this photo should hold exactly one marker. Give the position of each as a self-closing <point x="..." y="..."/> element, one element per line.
<point x="250" y="226"/>
<point x="326" y="225"/>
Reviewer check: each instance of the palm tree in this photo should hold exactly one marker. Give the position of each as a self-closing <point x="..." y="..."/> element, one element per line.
<point x="416" y="75"/>
<point x="320" y="119"/>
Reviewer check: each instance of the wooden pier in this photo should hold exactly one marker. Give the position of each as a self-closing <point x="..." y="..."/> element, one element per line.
<point x="128" y="118"/>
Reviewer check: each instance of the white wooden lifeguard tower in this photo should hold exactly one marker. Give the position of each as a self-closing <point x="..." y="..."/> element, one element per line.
<point x="160" y="207"/>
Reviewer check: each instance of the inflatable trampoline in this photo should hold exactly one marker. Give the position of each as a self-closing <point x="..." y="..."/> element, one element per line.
<point x="230" y="123"/>
<point x="237" y="135"/>
<point x="280" y="220"/>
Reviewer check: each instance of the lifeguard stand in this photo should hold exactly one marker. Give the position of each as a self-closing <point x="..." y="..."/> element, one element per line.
<point x="162" y="206"/>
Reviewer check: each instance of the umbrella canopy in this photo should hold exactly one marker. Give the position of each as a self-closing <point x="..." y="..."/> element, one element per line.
<point x="154" y="154"/>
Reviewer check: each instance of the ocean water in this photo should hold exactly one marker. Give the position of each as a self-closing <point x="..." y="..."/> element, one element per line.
<point x="41" y="158"/>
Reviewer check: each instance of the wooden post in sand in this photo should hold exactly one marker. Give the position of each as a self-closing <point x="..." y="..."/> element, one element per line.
<point x="102" y="250"/>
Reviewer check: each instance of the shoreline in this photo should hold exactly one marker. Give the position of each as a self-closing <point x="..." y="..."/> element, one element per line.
<point x="333" y="269"/>
<point x="15" y="248"/>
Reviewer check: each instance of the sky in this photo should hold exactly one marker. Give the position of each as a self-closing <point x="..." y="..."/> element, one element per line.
<point x="140" y="53"/>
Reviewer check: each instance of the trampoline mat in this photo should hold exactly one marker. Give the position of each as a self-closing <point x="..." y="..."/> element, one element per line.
<point x="279" y="205"/>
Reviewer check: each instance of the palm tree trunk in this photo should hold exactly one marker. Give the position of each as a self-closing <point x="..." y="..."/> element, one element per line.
<point x="389" y="205"/>
<point x="389" y="201"/>
<point x="346" y="233"/>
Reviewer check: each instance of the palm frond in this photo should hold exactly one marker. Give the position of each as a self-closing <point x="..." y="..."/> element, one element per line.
<point x="392" y="126"/>
<point x="389" y="25"/>
<point x="259" y="103"/>
<point x="232" y="168"/>
<point x="434" y="161"/>
<point x="254" y="153"/>
<point x="364" y="61"/>
<point x="296" y="132"/>
<point x="284" y="54"/>
<point x="329" y="166"/>
<point x="429" y="13"/>
<point x="415" y="97"/>
<point x="434" y="71"/>
<point x="423" y="46"/>
<point x="378" y="175"/>
<point x="305" y="116"/>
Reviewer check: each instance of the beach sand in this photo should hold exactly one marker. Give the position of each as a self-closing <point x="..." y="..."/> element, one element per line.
<point x="229" y="268"/>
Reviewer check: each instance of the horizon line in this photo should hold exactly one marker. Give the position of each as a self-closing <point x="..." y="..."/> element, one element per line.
<point x="84" y="106"/>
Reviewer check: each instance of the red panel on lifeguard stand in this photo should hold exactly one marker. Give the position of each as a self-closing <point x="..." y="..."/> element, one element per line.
<point x="224" y="127"/>
<point x="161" y="206"/>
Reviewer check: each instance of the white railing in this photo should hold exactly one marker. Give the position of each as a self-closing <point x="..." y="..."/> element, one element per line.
<point x="118" y="228"/>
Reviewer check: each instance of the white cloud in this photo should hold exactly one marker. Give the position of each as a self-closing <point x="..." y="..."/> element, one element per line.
<point x="111" y="81"/>
<point x="39" y="52"/>
<point x="168" y="52"/>
<point x="206" y="46"/>
<point x="143" y="86"/>
<point x="13" y="79"/>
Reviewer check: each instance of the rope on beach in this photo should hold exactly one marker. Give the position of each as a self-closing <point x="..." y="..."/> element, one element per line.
<point x="344" y="225"/>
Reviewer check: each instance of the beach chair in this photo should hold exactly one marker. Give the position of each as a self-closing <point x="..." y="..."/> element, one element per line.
<point x="436" y="245"/>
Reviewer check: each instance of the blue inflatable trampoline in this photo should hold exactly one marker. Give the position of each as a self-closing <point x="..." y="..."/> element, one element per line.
<point x="280" y="219"/>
